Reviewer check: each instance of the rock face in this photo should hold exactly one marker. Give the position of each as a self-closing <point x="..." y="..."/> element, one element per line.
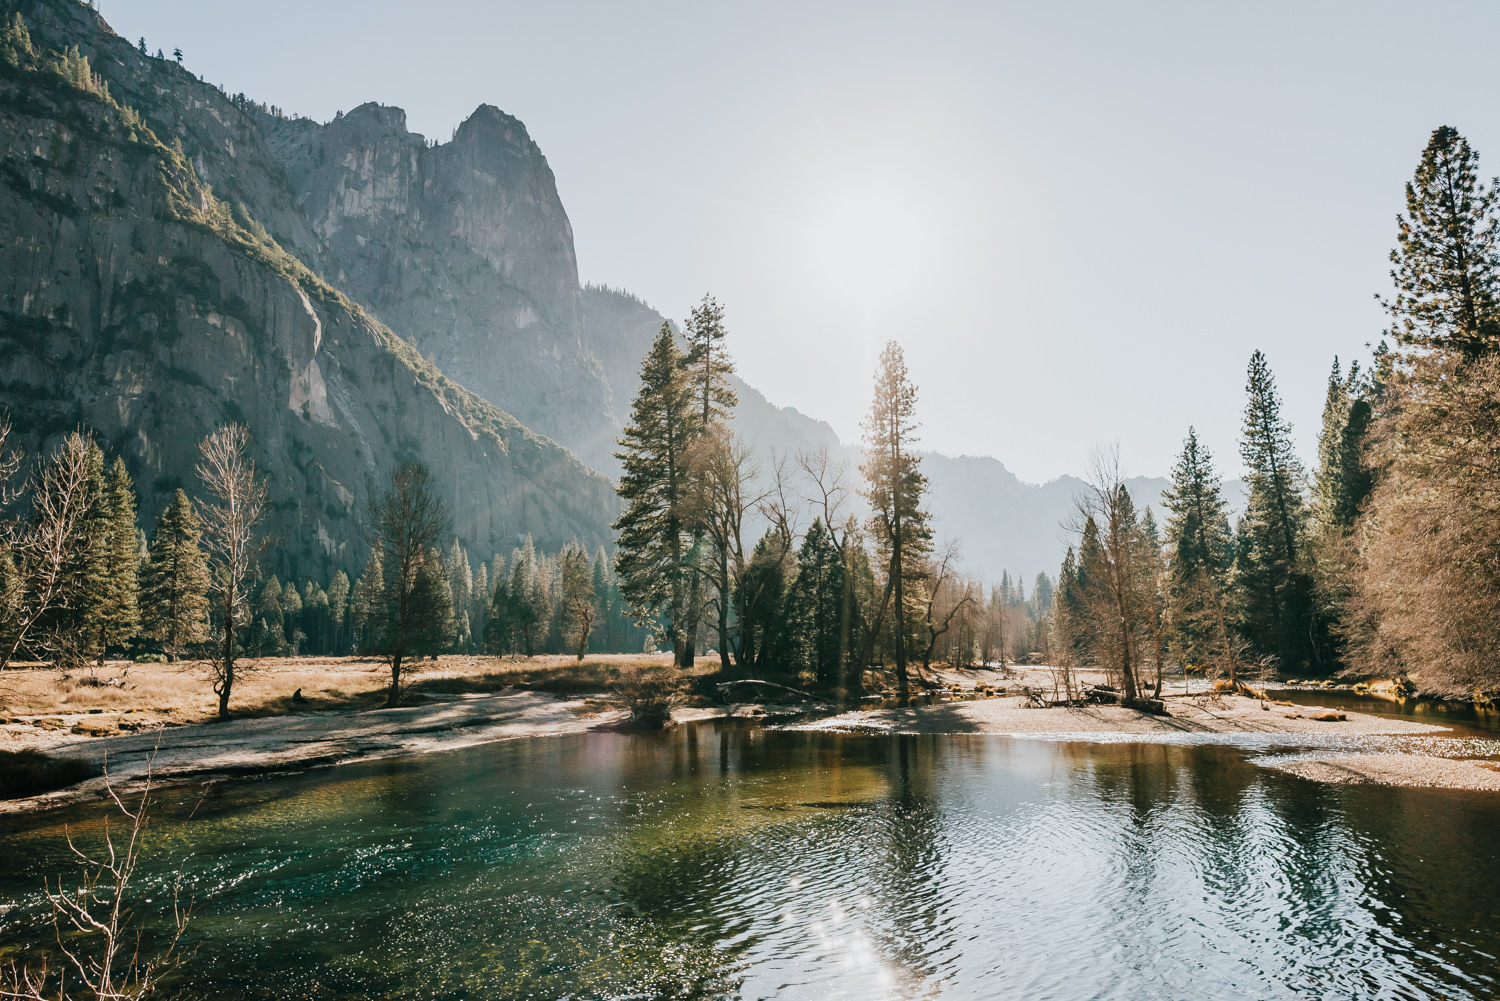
<point x="463" y="246"/>
<point x="149" y="306"/>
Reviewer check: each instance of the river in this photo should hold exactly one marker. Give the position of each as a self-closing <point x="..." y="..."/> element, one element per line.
<point x="727" y="861"/>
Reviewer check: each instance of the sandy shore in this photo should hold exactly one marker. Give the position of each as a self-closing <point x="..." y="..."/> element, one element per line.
<point x="1417" y="770"/>
<point x="1187" y="715"/>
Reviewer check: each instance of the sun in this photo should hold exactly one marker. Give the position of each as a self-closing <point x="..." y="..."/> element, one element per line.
<point x="870" y="241"/>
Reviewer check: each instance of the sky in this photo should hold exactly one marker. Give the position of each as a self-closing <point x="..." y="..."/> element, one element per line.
<point x="1078" y="219"/>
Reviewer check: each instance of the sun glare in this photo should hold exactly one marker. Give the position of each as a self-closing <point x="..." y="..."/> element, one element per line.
<point x="871" y="242"/>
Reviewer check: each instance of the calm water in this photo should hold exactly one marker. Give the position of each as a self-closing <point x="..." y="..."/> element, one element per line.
<point x="726" y="862"/>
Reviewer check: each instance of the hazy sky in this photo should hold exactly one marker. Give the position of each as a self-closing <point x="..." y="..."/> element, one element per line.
<point x="1079" y="219"/>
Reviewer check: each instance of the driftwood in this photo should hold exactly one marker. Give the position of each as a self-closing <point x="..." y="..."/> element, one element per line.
<point x="1036" y="698"/>
<point x="1105" y="695"/>
<point x="725" y="687"/>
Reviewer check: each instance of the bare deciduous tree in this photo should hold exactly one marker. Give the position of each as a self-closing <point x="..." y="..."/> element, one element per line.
<point x="93" y="926"/>
<point x="948" y="597"/>
<point x="43" y="546"/>
<point x="723" y="471"/>
<point x="229" y="523"/>
<point x="1124" y="575"/>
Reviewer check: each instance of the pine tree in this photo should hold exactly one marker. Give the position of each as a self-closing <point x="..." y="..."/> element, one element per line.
<point x="268" y="629"/>
<point x="1200" y="561"/>
<point x="338" y="613"/>
<point x="431" y="606"/>
<point x="291" y="618"/>
<point x="16" y="50"/>
<point x="708" y="365"/>
<point x="499" y="630"/>
<point x="654" y="555"/>
<point x="121" y="615"/>
<point x="461" y="584"/>
<point x="366" y="605"/>
<point x="522" y="614"/>
<point x="895" y="487"/>
<point x="1446" y="264"/>
<point x="176" y="582"/>
<point x="762" y="593"/>
<point x="1271" y="568"/>
<point x="812" y="620"/>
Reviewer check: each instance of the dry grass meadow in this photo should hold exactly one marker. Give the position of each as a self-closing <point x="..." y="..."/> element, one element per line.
<point x="123" y="697"/>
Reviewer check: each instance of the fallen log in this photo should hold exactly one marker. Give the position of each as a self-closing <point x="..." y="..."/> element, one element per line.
<point x="725" y="686"/>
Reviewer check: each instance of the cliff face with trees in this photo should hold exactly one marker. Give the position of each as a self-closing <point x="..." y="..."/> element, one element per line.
<point x="155" y="282"/>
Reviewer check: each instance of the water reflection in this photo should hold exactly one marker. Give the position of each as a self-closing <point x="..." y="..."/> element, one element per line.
<point x="733" y="862"/>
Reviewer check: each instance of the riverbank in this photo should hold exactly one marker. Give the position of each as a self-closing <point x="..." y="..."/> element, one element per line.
<point x="250" y="747"/>
<point x="337" y="716"/>
<point x="1186" y="714"/>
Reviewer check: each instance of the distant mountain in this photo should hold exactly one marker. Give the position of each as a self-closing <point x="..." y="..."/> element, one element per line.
<point x="1001" y="523"/>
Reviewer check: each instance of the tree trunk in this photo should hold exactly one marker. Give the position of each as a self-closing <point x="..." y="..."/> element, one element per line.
<point x="394" y="698"/>
<point x="228" y="659"/>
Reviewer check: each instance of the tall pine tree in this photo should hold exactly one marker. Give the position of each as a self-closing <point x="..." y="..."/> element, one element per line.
<point x="894" y="485"/>
<point x="1200" y="562"/>
<point x="653" y="558"/>
<point x="1446" y="264"/>
<point x="1275" y="584"/>
<point x="176" y="581"/>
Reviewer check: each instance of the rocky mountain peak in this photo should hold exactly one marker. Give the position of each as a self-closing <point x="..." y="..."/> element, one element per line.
<point x="379" y="117"/>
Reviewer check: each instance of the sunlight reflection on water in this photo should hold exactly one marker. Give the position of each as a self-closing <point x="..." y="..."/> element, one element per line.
<point x="730" y="862"/>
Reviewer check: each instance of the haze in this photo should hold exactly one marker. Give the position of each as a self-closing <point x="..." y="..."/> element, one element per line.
<point x="1079" y="219"/>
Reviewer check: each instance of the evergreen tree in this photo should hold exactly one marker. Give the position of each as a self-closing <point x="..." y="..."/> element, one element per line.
<point x="604" y="637"/>
<point x="339" y="614"/>
<point x="176" y="582"/>
<point x="708" y="365"/>
<point x="762" y="591"/>
<point x="1271" y="567"/>
<point x="1343" y="481"/>
<point x="120" y="618"/>
<point x="895" y="487"/>
<point x="432" y="606"/>
<point x="812" y="622"/>
<point x="16" y="50"/>
<point x="461" y="585"/>
<point x="268" y="632"/>
<point x="1446" y="265"/>
<point x="291" y="618"/>
<point x="499" y="630"/>
<point x="1200" y="561"/>
<point x="366" y="606"/>
<point x="87" y="611"/>
<point x="655" y="550"/>
<point x="526" y="615"/>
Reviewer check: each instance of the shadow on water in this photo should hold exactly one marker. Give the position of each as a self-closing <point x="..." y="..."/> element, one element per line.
<point x="730" y="861"/>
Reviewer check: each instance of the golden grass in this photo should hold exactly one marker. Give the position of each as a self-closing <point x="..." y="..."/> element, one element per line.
<point x="183" y="692"/>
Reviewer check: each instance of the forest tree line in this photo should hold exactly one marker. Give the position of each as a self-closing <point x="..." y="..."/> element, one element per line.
<point x="1385" y="562"/>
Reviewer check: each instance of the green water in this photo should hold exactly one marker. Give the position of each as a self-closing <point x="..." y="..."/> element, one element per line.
<point x="729" y="862"/>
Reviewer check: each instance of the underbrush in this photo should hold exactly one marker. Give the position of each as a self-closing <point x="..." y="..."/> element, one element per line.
<point x="650" y="695"/>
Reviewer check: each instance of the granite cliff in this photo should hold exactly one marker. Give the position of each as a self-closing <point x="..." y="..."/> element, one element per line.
<point x="148" y="303"/>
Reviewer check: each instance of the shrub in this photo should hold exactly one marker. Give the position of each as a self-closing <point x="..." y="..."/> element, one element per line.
<point x="650" y="695"/>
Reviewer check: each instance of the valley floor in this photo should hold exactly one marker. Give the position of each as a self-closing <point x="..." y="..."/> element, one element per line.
<point x="167" y="711"/>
